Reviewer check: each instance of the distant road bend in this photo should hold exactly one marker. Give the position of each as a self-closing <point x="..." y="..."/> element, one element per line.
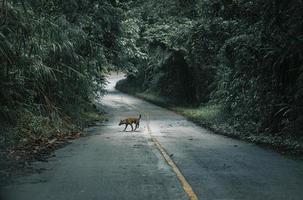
<point x="168" y="158"/>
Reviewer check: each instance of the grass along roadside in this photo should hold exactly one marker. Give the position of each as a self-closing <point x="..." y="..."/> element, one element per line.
<point x="213" y="118"/>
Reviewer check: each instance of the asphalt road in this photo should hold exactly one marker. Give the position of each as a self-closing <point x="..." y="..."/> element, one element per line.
<point x="114" y="165"/>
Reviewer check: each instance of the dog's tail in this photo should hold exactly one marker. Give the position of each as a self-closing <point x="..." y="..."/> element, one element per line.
<point x="139" y="117"/>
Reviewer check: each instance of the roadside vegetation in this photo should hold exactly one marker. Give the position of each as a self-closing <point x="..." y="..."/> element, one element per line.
<point x="233" y="66"/>
<point x="54" y="56"/>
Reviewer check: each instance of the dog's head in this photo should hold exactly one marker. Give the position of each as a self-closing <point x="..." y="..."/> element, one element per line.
<point x="121" y="122"/>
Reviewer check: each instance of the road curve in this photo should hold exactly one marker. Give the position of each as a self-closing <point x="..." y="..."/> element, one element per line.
<point x="115" y="165"/>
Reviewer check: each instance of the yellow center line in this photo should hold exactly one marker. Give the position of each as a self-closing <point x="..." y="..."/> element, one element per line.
<point x="186" y="186"/>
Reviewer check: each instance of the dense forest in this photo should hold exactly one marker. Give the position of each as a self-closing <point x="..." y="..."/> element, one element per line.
<point x="227" y="64"/>
<point x="53" y="56"/>
<point x="235" y="64"/>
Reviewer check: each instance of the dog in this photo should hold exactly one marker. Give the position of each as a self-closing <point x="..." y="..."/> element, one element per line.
<point x="130" y="121"/>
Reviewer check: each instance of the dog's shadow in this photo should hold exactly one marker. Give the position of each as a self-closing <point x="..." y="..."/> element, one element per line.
<point x="130" y="131"/>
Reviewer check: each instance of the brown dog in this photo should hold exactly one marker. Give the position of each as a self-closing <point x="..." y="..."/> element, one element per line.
<point x="130" y="121"/>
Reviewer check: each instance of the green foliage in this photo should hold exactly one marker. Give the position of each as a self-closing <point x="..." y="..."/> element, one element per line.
<point x="260" y="69"/>
<point x="245" y="55"/>
<point x="154" y="39"/>
<point x="210" y="114"/>
<point x="53" y="56"/>
<point x="206" y="39"/>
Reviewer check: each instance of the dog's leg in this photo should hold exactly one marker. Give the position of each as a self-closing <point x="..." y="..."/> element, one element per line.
<point x="125" y="127"/>
<point x="132" y="127"/>
<point x="137" y="126"/>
